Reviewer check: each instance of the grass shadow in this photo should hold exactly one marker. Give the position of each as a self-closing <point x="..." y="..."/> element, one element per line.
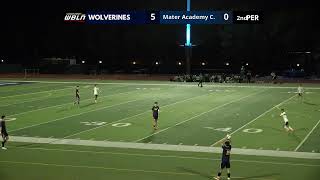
<point x="191" y="171"/>
<point x="308" y="103"/>
<point x="295" y="137"/>
<point x="261" y="176"/>
<point x="63" y="109"/>
<point x="34" y="145"/>
<point x="150" y="138"/>
<point x="274" y="129"/>
<point x="300" y="129"/>
<point x="68" y="108"/>
<point x="87" y="105"/>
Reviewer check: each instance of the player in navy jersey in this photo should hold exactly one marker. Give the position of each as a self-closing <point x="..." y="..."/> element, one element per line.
<point x="155" y="114"/>
<point x="3" y="131"/>
<point x="225" y="160"/>
<point x="200" y="80"/>
<point x="77" y="96"/>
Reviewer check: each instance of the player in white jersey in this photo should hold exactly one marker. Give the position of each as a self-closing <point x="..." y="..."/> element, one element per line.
<point x="96" y="93"/>
<point x="300" y="90"/>
<point x="286" y="121"/>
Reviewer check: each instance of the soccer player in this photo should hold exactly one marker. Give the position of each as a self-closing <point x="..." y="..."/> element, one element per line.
<point x="286" y="121"/>
<point x="225" y="160"/>
<point x="155" y="113"/>
<point x="3" y="131"/>
<point x="300" y="90"/>
<point x="77" y="96"/>
<point x="274" y="77"/>
<point x="96" y="91"/>
<point x="200" y="80"/>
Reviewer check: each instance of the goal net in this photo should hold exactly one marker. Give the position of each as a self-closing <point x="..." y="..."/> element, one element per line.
<point x="29" y="73"/>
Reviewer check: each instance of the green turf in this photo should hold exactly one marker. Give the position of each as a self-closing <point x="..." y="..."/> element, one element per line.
<point x="188" y="115"/>
<point x="78" y="162"/>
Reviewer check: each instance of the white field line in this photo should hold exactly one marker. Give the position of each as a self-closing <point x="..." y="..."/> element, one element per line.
<point x="29" y="100"/>
<point x="276" y="106"/>
<point x="59" y="105"/>
<point x="118" y="169"/>
<point x="35" y="99"/>
<point x="134" y="116"/>
<point x="193" y="117"/>
<point x="304" y="140"/>
<point x="164" y="147"/>
<point x="65" y="117"/>
<point x="167" y="84"/>
<point x="27" y="86"/>
<point x="25" y="94"/>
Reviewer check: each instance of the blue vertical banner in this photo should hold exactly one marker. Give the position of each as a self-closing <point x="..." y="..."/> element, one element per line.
<point x="188" y="35"/>
<point x="188" y="26"/>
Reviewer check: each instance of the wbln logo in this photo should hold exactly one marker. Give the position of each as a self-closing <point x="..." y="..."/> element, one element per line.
<point x="75" y="17"/>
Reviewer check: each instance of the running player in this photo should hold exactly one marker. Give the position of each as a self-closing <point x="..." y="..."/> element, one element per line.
<point x="225" y="160"/>
<point x="300" y="90"/>
<point x="77" y="96"/>
<point x="286" y="121"/>
<point x="155" y="113"/>
<point x="96" y="91"/>
<point x="3" y="131"/>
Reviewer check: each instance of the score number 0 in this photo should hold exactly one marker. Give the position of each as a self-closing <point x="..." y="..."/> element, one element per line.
<point x="226" y="16"/>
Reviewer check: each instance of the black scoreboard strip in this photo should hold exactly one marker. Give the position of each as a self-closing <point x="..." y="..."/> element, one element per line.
<point x="166" y="17"/>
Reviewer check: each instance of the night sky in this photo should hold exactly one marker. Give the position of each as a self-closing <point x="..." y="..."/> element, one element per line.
<point x="31" y="31"/>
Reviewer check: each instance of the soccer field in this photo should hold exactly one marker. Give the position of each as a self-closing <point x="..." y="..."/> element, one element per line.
<point x="51" y="138"/>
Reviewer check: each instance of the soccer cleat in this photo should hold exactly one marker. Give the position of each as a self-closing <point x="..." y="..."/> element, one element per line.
<point x="4" y="148"/>
<point x="228" y="178"/>
<point x="216" y="178"/>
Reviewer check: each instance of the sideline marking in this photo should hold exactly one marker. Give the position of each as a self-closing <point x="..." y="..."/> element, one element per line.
<point x="166" y="147"/>
<point x="10" y="119"/>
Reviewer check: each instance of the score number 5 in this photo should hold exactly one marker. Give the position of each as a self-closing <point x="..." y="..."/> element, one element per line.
<point x="152" y="16"/>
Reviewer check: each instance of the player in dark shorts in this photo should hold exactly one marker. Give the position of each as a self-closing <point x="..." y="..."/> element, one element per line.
<point x="155" y="114"/>
<point x="225" y="160"/>
<point x="4" y="133"/>
<point x="77" y="96"/>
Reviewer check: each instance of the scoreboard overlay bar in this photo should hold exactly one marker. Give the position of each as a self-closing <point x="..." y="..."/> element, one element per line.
<point x="166" y="17"/>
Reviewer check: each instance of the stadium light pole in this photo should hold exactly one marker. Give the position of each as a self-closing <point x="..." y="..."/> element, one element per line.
<point x="188" y="45"/>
